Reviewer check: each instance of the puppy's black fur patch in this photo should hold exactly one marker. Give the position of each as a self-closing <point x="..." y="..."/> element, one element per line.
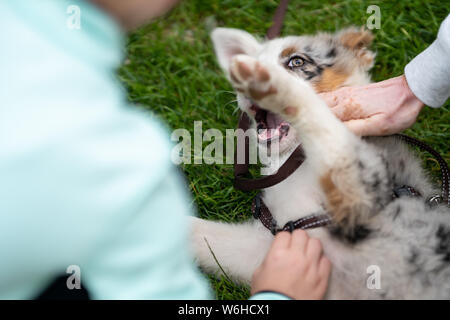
<point x="358" y="234"/>
<point x="443" y="247"/>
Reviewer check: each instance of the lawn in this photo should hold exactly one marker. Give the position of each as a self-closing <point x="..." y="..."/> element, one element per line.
<point x="171" y="70"/>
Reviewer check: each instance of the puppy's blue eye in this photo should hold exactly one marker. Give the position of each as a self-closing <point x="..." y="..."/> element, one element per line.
<point x="295" y="62"/>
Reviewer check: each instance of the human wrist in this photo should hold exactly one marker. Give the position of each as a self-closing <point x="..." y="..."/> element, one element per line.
<point x="264" y="294"/>
<point x="411" y="99"/>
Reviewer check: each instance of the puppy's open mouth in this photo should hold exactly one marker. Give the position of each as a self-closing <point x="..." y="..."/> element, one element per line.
<point x="270" y="126"/>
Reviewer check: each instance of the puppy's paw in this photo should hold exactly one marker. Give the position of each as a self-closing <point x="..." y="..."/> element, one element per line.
<point x="251" y="78"/>
<point x="264" y="84"/>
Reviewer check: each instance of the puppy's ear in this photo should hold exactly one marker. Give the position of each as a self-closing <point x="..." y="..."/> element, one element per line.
<point x="358" y="41"/>
<point x="355" y="39"/>
<point x="230" y="42"/>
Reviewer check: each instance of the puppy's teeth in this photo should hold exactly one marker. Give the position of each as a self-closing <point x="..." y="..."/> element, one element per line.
<point x="284" y="128"/>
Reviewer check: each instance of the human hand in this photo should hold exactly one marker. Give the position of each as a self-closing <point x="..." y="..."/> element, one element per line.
<point x="376" y="109"/>
<point x="294" y="266"/>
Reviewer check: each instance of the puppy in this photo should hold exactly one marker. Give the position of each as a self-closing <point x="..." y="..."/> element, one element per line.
<point x="402" y="241"/>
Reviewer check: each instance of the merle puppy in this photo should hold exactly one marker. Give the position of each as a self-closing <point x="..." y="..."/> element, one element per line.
<point x="401" y="241"/>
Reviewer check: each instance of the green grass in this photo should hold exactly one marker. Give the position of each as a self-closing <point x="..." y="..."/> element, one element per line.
<point x="171" y="70"/>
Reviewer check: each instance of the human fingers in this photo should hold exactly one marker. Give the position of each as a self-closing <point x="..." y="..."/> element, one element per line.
<point x="282" y="241"/>
<point x="314" y="251"/>
<point x="299" y="240"/>
<point x="324" y="268"/>
<point x="324" y="272"/>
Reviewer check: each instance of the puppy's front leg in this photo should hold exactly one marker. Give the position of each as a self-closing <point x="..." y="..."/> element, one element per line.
<point x="351" y="173"/>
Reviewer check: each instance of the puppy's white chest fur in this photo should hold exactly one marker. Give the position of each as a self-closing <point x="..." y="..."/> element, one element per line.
<point x="297" y="196"/>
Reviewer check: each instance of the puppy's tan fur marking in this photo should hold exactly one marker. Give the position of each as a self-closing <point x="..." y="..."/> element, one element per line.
<point x="261" y="73"/>
<point x="345" y="201"/>
<point x="356" y="40"/>
<point x="258" y="95"/>
<point x="290" y="111"/>
<point x="334" y="196"/>
<point x="288" y="51"/>
<point x="244" y="70"/>
<point x="331" y="79"/>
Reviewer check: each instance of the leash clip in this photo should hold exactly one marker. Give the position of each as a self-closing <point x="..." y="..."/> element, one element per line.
<point x="273" y="228"/>
<point x="435" y="200"/>
<point x="289" y="226"/>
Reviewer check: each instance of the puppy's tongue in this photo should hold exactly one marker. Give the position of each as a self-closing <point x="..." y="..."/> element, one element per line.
<point x="272" y="127"/>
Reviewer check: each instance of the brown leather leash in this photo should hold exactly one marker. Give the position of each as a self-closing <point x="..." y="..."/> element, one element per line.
<point x="242" y="177"/>
<point x="261" y="212"/>
<point x="245" y="182"/>
<point x="445" y="172"/>
<point x="277" y="22"/>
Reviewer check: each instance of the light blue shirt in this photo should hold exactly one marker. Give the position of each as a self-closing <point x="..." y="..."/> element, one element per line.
<point x="86" y="179"/>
